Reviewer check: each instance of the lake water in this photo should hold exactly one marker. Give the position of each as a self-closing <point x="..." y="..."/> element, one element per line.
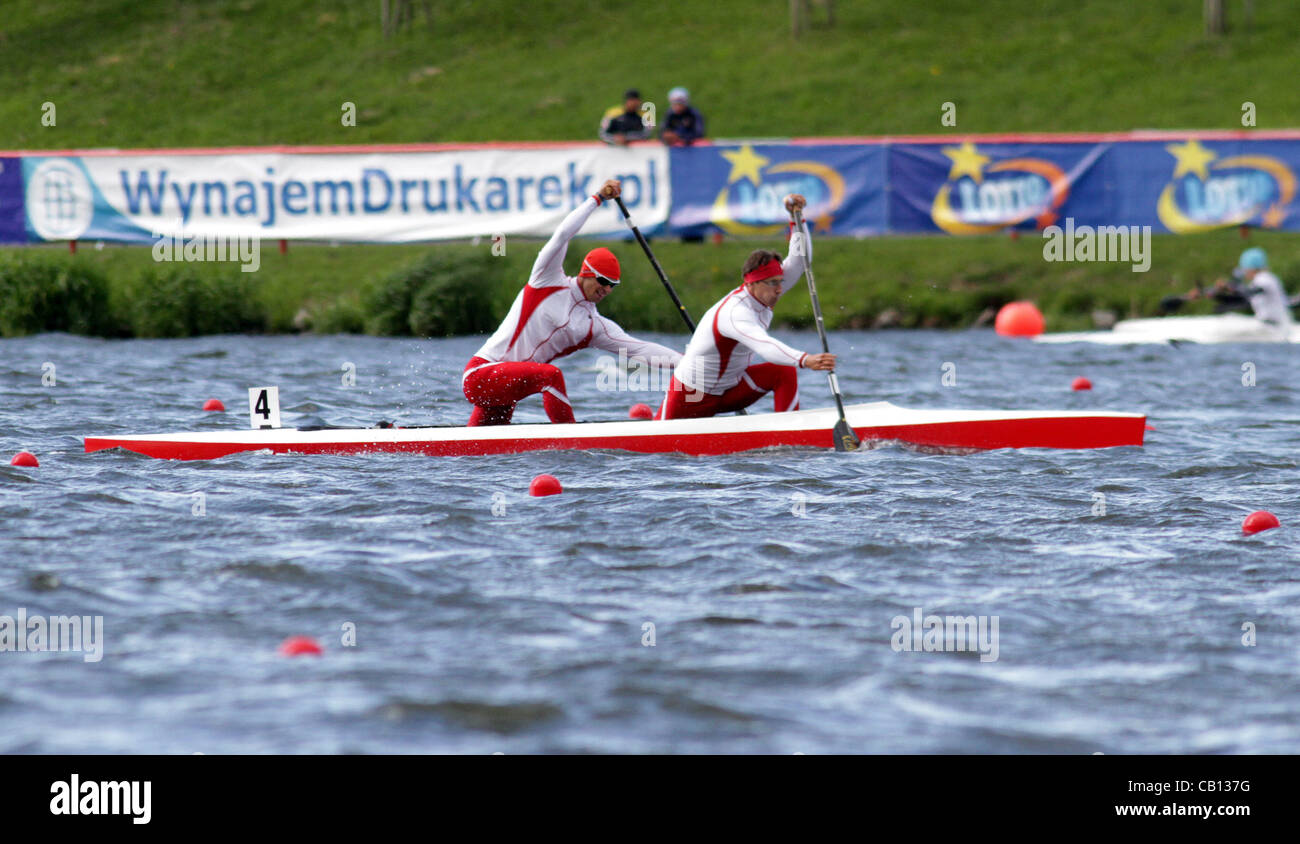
<point x="486" y="620"/>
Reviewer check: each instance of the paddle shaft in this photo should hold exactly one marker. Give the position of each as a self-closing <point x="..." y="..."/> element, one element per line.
<point x="654" y="262"/>
<point x="1169" y="304"/>
<point x="1173" y="303"/>
<point x="817" y="314"/>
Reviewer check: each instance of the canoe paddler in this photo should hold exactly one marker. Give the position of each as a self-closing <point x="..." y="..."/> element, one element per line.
<point x="554" y="315"/>
<point x="717" y="373"/>
<point x="1254" y="284"/>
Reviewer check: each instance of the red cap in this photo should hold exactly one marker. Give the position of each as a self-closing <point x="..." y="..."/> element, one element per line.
<point x="600" y="263"/>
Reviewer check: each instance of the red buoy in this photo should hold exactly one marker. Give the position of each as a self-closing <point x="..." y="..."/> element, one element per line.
<point x="213" y="404"/>
<point x="300" y="645"/>
<point x="640" y="411"/>
<point x="1019" y="319"/>
<point x="25" y="458"/>
<point x="1258" y="521"/>
<point x="545" y="485"/>
<point x="1080" y="383"/>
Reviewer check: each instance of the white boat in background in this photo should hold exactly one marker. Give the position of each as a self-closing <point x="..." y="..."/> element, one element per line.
<point x="1221" y="328"/>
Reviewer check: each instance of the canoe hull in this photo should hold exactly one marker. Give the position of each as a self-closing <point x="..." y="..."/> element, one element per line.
<point x="955" y="430"/>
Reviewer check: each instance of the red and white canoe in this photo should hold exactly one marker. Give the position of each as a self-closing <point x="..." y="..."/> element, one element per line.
<point x="956" y="430"/>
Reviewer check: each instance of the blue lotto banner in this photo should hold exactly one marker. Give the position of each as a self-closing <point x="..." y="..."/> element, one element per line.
<point x="1192" y="185"/>
<point x="737" y="188"/>
<point x="967" y="188"/>
<point x="1180" y="185"/>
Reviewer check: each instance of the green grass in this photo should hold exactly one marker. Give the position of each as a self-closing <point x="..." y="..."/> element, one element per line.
<point x="930" y="282"/>
<point x="167" y="73"/>
<point x="154" y="73"/>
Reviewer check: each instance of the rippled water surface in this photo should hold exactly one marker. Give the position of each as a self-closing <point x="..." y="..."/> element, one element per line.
<point x="519" y="627"/>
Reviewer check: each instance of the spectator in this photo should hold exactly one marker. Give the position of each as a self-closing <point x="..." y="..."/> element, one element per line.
<point x="621" y="125"/>
<point x="685" y="125"/>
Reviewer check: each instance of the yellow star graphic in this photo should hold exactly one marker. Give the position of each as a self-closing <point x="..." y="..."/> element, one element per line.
<point x="966" y="161"/>
<point x="1191" y="158"/>
<point x="745" y="163"/>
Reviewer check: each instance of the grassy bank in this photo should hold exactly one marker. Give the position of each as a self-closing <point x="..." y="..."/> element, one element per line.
<point x="157" y="73"/>
<point x="152" y="73"/>
<point x="462" y="288"/>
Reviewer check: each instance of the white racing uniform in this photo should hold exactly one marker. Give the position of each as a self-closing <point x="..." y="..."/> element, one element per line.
<point x="1268" y="299"/>
<point x="551" y="318"/>
<point x="735" y="329"/>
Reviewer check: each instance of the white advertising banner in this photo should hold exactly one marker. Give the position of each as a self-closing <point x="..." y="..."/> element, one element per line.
<point x="388" y="197"/>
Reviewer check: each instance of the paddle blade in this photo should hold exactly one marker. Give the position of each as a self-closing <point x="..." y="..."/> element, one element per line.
<point x="845" y="439"/>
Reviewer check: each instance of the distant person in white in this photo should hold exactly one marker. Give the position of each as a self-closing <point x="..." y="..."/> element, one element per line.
<point x="1256" y="285"/>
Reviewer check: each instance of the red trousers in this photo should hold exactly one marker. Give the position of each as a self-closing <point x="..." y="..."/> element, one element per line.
<point x="758" y="380"/>
<point x="495" y="388"/>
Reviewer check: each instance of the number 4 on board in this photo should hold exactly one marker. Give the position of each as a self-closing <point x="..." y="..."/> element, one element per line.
<point x="264" y="407"/>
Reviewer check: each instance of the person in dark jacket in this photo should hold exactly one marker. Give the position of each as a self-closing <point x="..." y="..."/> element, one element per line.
<point x="621" y="125"/>
<point x="685" y="125"/>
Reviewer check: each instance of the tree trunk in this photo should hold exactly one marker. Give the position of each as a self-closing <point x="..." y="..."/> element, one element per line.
<point x="395" y="14"/>
<point x="1214" y="23"/>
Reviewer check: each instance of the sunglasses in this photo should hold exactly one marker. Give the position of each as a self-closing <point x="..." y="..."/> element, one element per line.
<point x="604" y="282"/>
